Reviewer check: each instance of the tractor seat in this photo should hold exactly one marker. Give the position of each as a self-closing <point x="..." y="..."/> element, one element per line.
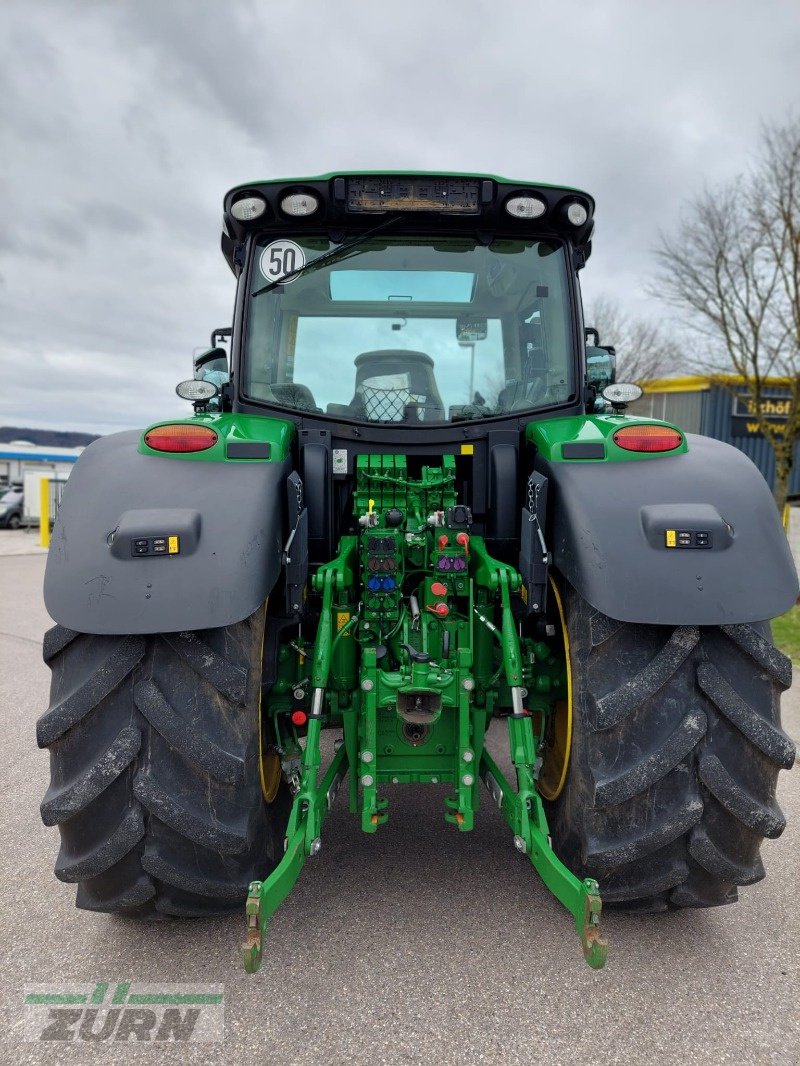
<point x="291" y="394"/>
<point x="396" y="385"/>
<point x="287" y="394"/>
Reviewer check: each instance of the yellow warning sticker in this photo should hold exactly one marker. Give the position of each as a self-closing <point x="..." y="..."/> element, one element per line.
<point x="670" y="538"/>
<point x="173" y="545"/>
<point x="467" y="449"/>
<point x="342" y="618"/>
<point x="524" y="594"/>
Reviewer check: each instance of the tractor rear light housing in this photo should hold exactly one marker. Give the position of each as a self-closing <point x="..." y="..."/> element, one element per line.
<point x="180" y="437"/>
<point x="648" y="438"/>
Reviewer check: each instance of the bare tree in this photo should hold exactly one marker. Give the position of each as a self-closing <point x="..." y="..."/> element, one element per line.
<point x="734" y="265"/>
<point x="644" y="348"/>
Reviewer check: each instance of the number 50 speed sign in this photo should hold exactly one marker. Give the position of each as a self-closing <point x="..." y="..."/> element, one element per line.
<point x="281" y="258"/>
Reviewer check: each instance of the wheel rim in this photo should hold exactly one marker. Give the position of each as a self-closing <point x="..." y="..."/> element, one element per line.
<point x="556" y="756"/>
<point x="270" y="765"/>
<point x="269" y="762"/>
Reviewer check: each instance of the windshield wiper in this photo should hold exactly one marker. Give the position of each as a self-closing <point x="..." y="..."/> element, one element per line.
<point x="340" y="252"/>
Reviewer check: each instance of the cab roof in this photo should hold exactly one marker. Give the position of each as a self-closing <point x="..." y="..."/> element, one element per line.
<point x="350" y="201"/>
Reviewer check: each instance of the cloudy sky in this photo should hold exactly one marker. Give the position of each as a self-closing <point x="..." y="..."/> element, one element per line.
<point x="123" y="123"/>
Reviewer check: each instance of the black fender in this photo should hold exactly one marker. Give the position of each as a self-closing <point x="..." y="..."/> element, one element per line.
<point x="228" y="518"/>
<point x="608" y="537"/>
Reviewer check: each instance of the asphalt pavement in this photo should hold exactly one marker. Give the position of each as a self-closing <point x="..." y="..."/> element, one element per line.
<point x="415" y="945"/>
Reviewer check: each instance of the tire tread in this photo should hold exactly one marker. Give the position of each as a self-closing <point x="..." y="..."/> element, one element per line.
<point x="154" y="769"/>
<point x="677" y="746"/>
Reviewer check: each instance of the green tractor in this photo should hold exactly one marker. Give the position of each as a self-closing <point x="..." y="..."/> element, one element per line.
<point x="409" y="504"/>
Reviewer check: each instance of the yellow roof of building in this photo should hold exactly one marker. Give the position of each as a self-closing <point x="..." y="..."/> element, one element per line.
<point x="701" y="382"/>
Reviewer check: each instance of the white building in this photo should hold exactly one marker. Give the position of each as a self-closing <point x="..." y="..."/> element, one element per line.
<point x="20" y="456"/>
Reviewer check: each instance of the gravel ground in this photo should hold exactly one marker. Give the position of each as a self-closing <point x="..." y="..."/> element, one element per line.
<point x="417" y="944"/>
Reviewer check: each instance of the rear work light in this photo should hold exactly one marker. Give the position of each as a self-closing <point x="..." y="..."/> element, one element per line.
<point x="248" y="208"/>
<point x="526" y="206"/>
<point x="180" y="438"/>
<point x="299" y="204"/>
<point x="648" y="438"/>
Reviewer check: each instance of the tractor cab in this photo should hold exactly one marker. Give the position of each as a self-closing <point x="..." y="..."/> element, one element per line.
<point x="416" y="303"/>
<point x="416" y="314"/>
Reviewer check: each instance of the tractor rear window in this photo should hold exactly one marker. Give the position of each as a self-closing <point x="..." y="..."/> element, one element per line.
<point x="409" y="330"/>
<point x="446" y="287"/>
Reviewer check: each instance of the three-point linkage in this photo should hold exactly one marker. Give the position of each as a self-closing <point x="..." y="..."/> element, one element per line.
<point x="416" y="649"/>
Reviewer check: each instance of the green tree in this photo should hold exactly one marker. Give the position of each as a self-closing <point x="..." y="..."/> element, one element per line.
<point x="734" y="266"/>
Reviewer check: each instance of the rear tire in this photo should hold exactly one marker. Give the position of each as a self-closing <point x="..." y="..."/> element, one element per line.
<point x="154" y="756"/>
<point x="676" y="749"/>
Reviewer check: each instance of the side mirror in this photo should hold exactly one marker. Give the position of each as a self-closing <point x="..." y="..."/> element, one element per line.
<point x="211" y="366"/>
<point x="601" y="366"/>
<point x="471" y="328"/>
<point x="211" y="359"/>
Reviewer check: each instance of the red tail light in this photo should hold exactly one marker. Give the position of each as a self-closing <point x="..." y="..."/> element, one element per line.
<point x="180" y="438"/>
<point x="648" y="438"/>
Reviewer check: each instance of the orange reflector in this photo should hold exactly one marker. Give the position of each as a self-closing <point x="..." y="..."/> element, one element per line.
<point x="438" y="589"/>
<point x="180" y="438"/>
<point x="648" y="438"/>
<point x="299" y="718"/>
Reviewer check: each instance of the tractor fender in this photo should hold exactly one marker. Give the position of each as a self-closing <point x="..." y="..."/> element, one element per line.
<point x="228" y="518"/>
<point x="611" y="527"/>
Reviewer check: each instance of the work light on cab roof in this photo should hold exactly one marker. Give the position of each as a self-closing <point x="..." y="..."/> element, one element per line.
<point x="299" y="204"/>
<point x="248" y="208"/>
<point x="525" y="206"/>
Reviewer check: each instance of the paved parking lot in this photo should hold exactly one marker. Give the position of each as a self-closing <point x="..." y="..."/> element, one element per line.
<point x="20" y="542"/>
<point x="417" y="944"/>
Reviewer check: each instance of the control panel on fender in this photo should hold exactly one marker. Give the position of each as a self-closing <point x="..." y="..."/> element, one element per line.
<point x="168" y="544"/>
<point x="687" y="538"/>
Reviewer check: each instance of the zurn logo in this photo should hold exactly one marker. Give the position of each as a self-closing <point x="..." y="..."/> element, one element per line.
<point x="124" y="1012"/>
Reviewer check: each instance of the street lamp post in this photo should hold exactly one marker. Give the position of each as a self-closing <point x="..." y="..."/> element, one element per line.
<point x="471" y="346"/>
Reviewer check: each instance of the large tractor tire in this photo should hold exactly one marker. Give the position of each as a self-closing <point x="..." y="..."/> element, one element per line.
<point x="155" y="769"/>
<point x="676" y="748"/>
